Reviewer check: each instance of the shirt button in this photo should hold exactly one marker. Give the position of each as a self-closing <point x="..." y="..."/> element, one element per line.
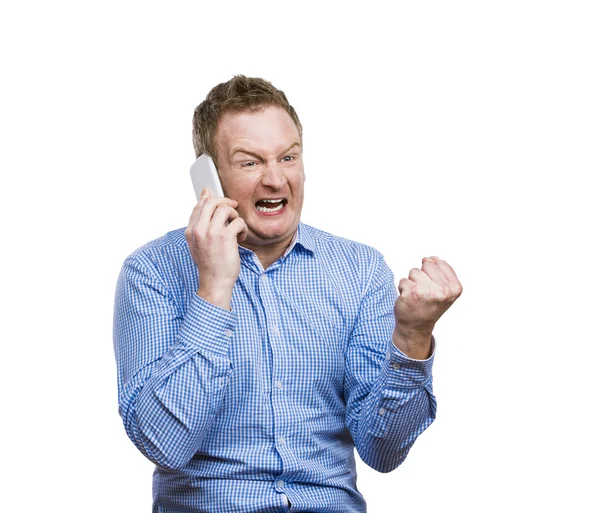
<point x="381" y="411"/>
<point x="281" y="440"/>
<point x="228" y="333"/>
<point x="263" y="278"/>
<point x="275" y="330"/>
<point x="388" y="355"/>
<point x="395" y="366"/>
<point x="280" y="484"/>
<point x="279" y="385"/>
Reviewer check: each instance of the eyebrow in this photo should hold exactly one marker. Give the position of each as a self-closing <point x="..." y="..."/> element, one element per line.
<point x="255" y="155"/>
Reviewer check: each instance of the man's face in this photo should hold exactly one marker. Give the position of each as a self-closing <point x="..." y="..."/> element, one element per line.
<point x="260" y="158"/>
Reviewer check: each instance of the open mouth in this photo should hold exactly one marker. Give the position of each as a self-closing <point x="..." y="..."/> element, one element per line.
<point x="270" y="205"/>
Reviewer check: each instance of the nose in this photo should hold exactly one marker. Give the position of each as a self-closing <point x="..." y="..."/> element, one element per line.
<point x="274" y="177"/>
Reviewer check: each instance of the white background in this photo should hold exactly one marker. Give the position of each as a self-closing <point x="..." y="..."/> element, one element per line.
<point x="468" y="130"/>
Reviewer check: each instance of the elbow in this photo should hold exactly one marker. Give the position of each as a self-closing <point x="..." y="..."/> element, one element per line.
<point x="170" y="460"/>
<point x="385" y="467"/>
<point x="170" y="463"/>
<point x="383" y="461"/>
<point x="167" y="456"/>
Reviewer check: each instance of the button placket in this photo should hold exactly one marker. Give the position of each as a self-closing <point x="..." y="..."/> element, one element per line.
<point x="277" y="399"/>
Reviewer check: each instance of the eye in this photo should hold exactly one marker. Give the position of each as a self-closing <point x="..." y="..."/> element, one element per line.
<point x="288" y="158"/>
<point x="249" y="164"/>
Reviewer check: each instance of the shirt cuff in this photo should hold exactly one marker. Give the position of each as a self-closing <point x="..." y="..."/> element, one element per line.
<point x="208" y="327"/>
<point x="402" y="371"/>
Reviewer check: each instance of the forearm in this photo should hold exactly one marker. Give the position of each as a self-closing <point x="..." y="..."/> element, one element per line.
<point x="168" y="415"/>
<point x="389" y="394"/>
<point x="216" y="290"/>
<point x="172" y="371"/>
<point x="399" y="408"/>
<point x="417" y="345"/>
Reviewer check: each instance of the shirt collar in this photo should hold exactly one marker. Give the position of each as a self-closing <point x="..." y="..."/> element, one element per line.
<point x="302" y="238"/>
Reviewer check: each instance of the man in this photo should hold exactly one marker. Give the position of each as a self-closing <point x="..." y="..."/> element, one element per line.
<point x="255" y="352"/>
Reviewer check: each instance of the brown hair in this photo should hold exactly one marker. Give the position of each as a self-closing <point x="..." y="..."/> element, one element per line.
<point x="240" y="94"/>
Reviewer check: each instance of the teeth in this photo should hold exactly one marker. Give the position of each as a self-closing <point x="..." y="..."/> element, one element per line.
<point x="272" y="201"/>
<point x="274" y="209"/>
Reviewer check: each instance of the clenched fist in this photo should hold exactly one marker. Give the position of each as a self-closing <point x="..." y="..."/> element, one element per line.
<point x="424" y="296"/>
<point x="213" y="233"/>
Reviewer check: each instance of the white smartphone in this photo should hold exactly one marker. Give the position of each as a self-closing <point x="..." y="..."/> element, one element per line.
<point x="204" y="174"/>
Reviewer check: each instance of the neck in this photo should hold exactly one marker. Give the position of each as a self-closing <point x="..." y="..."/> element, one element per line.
<point x="269" y="253"/>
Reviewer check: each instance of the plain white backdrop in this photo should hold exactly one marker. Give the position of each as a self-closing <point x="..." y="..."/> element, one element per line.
<point x="468" y="130"/>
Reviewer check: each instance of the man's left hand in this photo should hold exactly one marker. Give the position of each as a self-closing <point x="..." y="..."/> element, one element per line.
<point x="424" y="296"/>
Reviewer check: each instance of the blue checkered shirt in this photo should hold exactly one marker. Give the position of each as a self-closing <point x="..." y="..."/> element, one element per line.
<point x="255" y="408"/>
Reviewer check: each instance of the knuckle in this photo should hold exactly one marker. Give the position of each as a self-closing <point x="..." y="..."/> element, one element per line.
<point x="443" y="291"/>
<point x="418" y="293"/>
<point x="215" y="231"/>
<point x="432" y="295"/>
<point x="212" y="234"/>
<point x="227" y="208"/>
<point x="191" y="232"/>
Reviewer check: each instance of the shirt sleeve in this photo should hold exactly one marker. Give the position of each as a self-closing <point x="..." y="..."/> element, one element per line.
<point x="389" y="396"/>
<point x="172" y="365"/>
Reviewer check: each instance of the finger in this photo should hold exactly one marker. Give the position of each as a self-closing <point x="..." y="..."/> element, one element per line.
<point x="198" y="207"/>
<point x="434" y="259"/>
<point x="405" y="287"/>
<point x="195" y="216"/>
<point x="239" y="227"/>
<point x="193" y="222"/>
<point x="453" y="281"/>
<point x="447" y="270"/>
<point x="434" y="272"/>
<point x="208" y="207"/>
<point x="223" y="214"/>
<point x="417" y="275"/>
<point x="202" y="214"/>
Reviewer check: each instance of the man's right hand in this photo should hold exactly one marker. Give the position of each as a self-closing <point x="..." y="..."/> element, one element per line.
<point x="213" y="234"/>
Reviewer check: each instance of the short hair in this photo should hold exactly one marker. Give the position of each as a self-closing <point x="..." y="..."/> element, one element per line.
<point x="240" y="94"/>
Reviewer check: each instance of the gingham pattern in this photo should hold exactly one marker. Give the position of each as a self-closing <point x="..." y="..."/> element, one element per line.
<point x="243" y="410"/>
